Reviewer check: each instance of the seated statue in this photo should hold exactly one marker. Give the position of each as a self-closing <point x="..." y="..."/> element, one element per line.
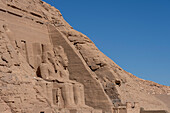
<point x="54" y="65"/>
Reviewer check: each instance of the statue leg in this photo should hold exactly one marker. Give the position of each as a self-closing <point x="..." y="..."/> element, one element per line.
<point x="79" y="94"/>
<point x="68" y="95"/>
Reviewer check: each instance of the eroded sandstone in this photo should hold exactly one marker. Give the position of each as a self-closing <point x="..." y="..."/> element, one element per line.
<point x="48" y="67"/>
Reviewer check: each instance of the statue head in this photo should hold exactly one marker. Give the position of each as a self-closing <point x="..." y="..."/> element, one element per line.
<point x="47" y="53"/>
<point x="61" y="56"/>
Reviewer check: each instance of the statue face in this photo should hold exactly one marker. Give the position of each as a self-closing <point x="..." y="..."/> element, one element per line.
<point x="65" y="62"/>
<point x="50" y="54"/>
<point x="61" y="56"/>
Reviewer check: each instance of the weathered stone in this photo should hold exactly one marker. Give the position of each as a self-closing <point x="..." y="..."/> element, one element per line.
<point x="48" y="67"/>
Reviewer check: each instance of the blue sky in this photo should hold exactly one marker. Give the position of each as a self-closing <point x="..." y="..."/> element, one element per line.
<point x="133" y="33"/>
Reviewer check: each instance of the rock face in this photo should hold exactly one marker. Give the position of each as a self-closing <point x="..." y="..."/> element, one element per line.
<point x="48" y="67"/>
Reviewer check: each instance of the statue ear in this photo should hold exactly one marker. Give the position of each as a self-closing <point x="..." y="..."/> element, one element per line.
<point x="49" y="55"/>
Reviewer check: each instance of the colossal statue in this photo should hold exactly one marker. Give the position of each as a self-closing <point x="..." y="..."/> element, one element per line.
<point x="54" y="65"/>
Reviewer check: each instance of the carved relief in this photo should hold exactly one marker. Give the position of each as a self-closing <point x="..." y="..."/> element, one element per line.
<point x="79" y="94"/>
<point x="62" y="63"/>
<point x="23" y="49"/>
<point x="37" y="51"/>
<point x="48" y="66"/>
<point x="52" y="64"/>
<point x="58" y="98"/>
<point x="65" y="93"/>
<point x="10" y="34"/>
<point x="68" y="95"/>
<point x="30" y="55"/>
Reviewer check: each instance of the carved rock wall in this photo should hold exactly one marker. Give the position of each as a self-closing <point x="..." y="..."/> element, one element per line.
<point x="47" y="66"/>
<point x="95" y="96"/>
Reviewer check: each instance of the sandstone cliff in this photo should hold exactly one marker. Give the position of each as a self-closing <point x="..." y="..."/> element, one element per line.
<point x="48" y="67"/>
